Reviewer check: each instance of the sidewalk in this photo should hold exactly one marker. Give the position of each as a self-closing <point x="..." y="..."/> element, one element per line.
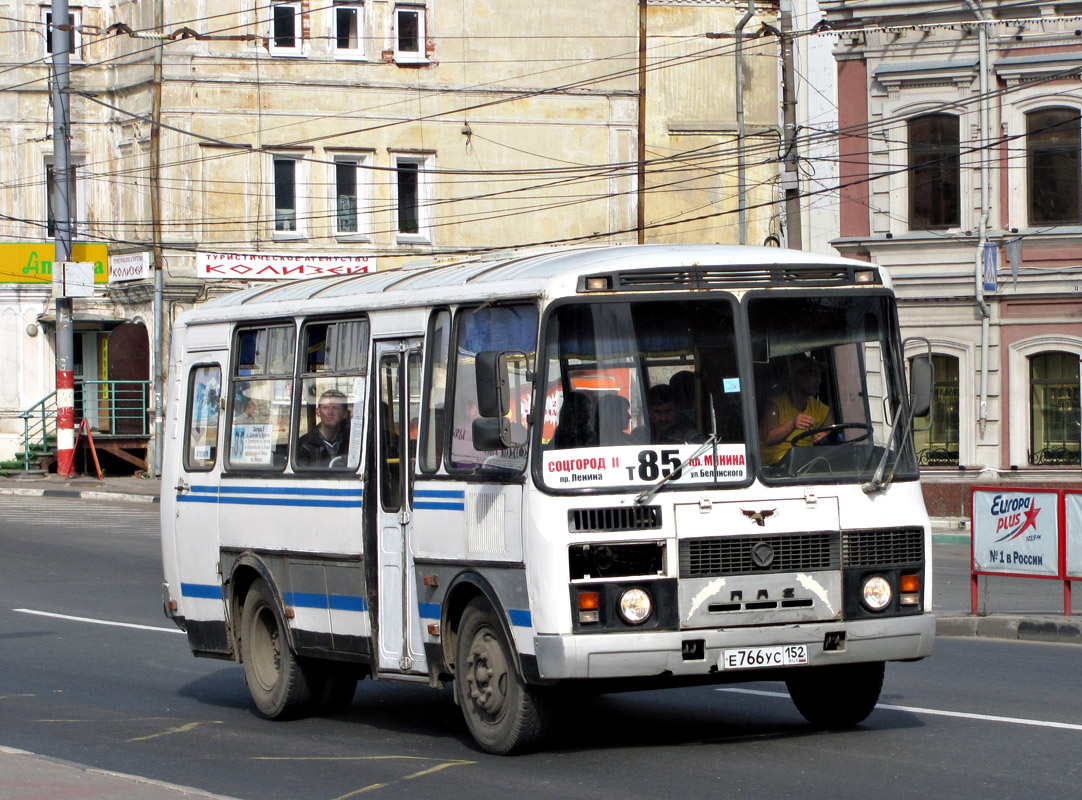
<point x="25" y="774"/>
<point x="1035" y="613"/>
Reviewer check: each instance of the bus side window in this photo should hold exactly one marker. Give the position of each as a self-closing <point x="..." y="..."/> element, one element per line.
<point x="330" y="421"/>
<point x="507" y="328"/>
<point x="204" y="396"/>
<point x="433" y="418"/>
<point x="262" y="394"/>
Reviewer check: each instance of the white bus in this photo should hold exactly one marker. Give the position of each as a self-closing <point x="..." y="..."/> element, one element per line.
<point x="607" y="468"/>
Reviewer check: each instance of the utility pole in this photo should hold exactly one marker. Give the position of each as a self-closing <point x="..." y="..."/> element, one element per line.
<point x="158" y="337"/>
<point x="640" y="204"/>
<point x="61" y="200"/>
<point x="791" y="166"/>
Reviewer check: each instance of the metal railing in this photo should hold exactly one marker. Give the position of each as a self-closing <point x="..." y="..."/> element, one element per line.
<point x="111" y="408"/>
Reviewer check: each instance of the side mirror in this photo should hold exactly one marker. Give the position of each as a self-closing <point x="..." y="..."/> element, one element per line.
<point x="921" y="377"/>
<point x="493" y="433"/>
<point x="493" y="386"/>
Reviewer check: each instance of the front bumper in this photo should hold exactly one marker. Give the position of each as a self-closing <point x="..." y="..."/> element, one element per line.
<point x="657" y="653"/>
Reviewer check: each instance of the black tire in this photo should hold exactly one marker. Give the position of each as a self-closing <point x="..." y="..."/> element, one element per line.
<point x="276" y="680"/>
<point x="836" y="697"/>
<point x="504" y="714"/>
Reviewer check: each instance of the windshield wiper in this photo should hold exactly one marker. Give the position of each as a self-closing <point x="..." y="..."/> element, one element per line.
<point x="648" y="495"/>
<point x="879" y="481"/>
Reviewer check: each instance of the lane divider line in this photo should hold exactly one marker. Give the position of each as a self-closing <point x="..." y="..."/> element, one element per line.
<point x="98" y="621"/>
<point x="935" y="712"/>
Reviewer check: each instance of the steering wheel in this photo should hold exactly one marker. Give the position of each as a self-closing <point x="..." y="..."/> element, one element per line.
<point x="838" y="426"/>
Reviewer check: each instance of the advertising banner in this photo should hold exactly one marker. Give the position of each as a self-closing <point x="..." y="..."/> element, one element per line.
<point x="1016" y="532"/>
<point x="129" y="267"/>
<point x="277" y="267"/>
<point x="1073" y="513"/>
<point x="32" y="262"/>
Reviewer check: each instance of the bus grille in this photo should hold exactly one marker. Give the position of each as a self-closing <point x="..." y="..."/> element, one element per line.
<point x="882" y="548"/>
<point x="704" y="277"/>
<point x="627" y="518"/>
<point x="744" y="555"/>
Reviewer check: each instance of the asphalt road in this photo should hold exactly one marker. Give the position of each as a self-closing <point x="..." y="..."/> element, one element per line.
<point x="91" y="672"/>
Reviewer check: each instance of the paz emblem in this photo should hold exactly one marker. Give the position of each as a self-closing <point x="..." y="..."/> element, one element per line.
<point x="759" y="517"/>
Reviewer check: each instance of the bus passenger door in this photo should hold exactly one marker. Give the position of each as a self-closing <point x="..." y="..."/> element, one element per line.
<point x="192" y="478"/>
<point x="397" y="409"/>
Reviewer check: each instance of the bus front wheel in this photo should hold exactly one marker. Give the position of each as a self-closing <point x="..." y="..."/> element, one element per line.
<point x="504" y="714"/>
<point x="836" y="697"/>
<point x="276" y="681"/>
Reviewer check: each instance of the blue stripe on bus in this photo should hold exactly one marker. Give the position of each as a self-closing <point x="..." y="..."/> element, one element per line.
<point x="274" y="496"/>
<point x="439" y="499"/>
<point x="335" y="602"/>
<point x="207" y="591"/>
<point x="520" y="618"/>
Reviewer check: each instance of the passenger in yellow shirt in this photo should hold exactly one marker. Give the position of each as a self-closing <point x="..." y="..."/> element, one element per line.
<point x="786" y="416"/>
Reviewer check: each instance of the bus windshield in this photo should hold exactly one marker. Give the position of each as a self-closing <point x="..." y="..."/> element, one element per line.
<point x="829" y="387"/>
<point x="633" y="390"/>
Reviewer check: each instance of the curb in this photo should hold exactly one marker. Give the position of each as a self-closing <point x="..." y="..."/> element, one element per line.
<point x="1026" y="629"/>
<point x="81" y="495"/>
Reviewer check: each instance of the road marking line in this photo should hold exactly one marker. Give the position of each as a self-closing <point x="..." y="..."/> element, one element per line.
<point x="1037" y="723"/>
<point x="182" y="729"/>
<point x="97" y="621"/>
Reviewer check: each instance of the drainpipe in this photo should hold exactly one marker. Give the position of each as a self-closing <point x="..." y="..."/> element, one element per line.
<point x="741" y="178"/>
<point x="982" y="232"/>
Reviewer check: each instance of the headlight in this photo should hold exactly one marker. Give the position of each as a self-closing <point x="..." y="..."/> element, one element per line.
<point x="635" y="606"/>
<point x="876" y="593"/>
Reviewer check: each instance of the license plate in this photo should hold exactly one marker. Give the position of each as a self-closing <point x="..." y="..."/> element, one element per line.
<point x="789" y="655"/>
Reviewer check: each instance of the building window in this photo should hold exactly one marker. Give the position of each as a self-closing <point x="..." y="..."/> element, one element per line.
<point x="350" y="196"/>
<point x="1053" y="166"/>
<point x="287" y="201"/>
<point x="934" y="188"/>
<point x="409" y="33"/>
<point x="348" y="29"/>
<point x="74" y="207"/>
<point x="411" y="198"/>
<point x="937" y="438"/>
<point x="1055" y="413"/>
<point x="285" y="28"/>
<point x="75" y="37"/>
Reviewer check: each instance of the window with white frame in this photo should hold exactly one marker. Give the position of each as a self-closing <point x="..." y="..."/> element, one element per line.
<point x="936" y="437"/>
<point x="350" y="195"/>
<point x="1055" y="411"/>
<point x="1054" y="180"/>
<point x="285" y="28"/>
<point x="75" y="37"/>
<point x="348" y="29"/>
<point x="288" y="171"/>
<point x="76" y="208"/>
<point x="409" y="32"/>
<point x="412" y="198"/>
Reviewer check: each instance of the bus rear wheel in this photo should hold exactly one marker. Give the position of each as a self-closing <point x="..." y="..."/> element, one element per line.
<point x="836" y="697"/>
<point x="504" y="714"/>
<point x="275" y="678"/>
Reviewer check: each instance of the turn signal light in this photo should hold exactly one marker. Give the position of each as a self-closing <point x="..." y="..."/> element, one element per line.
<point x="910" y="590"/>
<point x="589" y="603"/>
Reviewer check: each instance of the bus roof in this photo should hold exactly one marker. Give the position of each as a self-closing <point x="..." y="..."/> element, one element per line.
<point x="513" y="273"/>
